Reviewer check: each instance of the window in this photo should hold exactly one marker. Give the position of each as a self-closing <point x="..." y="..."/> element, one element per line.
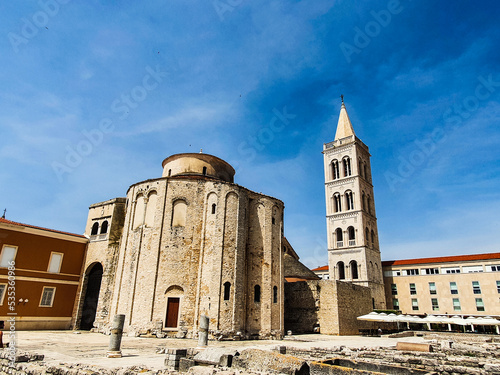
<point x="3" y="288"/>
<point x="395" y="304"/>
<point x="456" y="304"/>
<point x="275" y="294"/>
<point x="227" y="290"/>
<point x="472" y="269"/>
<point x="479" y="304"/>
<point x="476" y="288"/>
<point x="256" y="293"/>
<point x="369" y="204"/>
<point x="104" y="227"/>
<point x="204" y="170"/>
<point x="349" y="200"/>
<point x="352" y="236"/>
<point x="367" y="236"/>
<point x="495" y="268"/>
<point x="411" y="272"/>
<point x="363" y="201"/>
<point x="453" y="287"/>
<point x="430" y="271"/>
<point x="214" y="206"/>
<point x="337" y="203"/>
<point x="413" y="289"/>
<point x="347" y="166"/>
<point x="55" y="262"/>
<point x="432" y="288"/>
<point x="414" y="304"/>
<point x="394" y="289"/>
<point x="360" y="168"/>
<point x="47" y="296"/>
<point x="335" y="170"/>
<point x="373" y="238"/>
<point x="450" y="270"/>
<point x="435" y="305"/>
<point x="341" y="268"/>
<point x="95" y="229"/>
<point x="340" y="240"/>
<point x="498" y="286"/>
<point x="8" y="255"/>
<point x="354" y="269"/>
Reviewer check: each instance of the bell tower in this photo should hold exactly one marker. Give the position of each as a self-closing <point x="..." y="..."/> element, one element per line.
<point x="353" y="247"/>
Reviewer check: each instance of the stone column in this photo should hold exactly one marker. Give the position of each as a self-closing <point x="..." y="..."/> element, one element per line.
<point x="203" y="331"/>
<point x="116" y="337"/>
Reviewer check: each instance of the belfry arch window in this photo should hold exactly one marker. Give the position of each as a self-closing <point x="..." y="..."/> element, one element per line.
<point x="363" y="201"/>
<point x="365" y="171"/>
<point x="360" y="168"/>
<point x="369" y="204"/>
<point x="347" y="166"/>
<point x="335" y="170"/>
<point x="373" y="238"/>
<point x="367" y="236"/>
<point x="354" y="269"/>
<point x="95" y="229"/>
<point x="341" y="269"/>
<point x="352" y="236"/>
<point x="349" y="200"/>
<point x="337" y="203"/>
<point x="338" y="234"/>
<point x="104" y="227"/>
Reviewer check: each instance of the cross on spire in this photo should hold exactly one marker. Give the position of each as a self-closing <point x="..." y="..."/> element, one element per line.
<point x="342" y="97"/>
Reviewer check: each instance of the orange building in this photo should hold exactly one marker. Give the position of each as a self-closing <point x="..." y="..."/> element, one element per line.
<point x="40" y="271"/>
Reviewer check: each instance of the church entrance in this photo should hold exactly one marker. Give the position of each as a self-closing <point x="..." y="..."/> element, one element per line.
<point x="89" y="309"/>
<point x="172" y="312"/>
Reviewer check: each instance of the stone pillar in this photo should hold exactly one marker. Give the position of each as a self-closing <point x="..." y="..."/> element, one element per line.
<point x="203" y="332"/>
<point x="116" y="337"/>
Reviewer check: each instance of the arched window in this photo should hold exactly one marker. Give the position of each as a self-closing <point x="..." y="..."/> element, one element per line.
<point x="227" y="290"/>
<point x="335" y="170"/>
<point x="354" y="269"/>
<point x="214" y="206"/>
<point x="95" y="229"/>
<point x="337" y="202"/>
<point x="360" y="168"/>
<point x="275" y="294"/>
<point x="104" y="227"/>
<point x="363" y="201"/>
<point x="373" y="238"/>
<point x="367" y="236"/>
<point x="204" y="170"/>
<point x="347" y="166"/>
<point x="169" y="172"/>
<point x="179" y="213"/>
<point x="341" y="268"/>
<point x="352" y="236"/>
<point x="338" y="233"/>
<point x="256" y="293"/>
<point x="369" y="204"/>
<point x="364" y="170"/>
<point x="349" y="200"/>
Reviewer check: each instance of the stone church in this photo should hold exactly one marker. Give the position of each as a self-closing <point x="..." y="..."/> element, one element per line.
<point x="193" y="243"/>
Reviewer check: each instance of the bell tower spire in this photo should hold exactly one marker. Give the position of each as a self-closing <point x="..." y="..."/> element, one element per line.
<point x="353" y="249"/>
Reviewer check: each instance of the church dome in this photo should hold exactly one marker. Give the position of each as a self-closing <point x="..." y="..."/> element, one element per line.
<point x="192" y="164"/>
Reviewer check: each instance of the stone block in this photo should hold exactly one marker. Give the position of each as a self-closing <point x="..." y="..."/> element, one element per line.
<point x="185" y="364"/>
<point x="414" y="347"/>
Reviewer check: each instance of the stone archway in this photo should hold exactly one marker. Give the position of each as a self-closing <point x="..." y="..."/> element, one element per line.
<point x="94" y="277"/>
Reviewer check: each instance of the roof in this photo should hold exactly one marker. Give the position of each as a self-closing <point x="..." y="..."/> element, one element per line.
<point x="344" y="126"/>
<point x="446" y="259"/>
<point x="10" y="222"/>
<point x="292" y="268"/>
<point x="322" y="268"/>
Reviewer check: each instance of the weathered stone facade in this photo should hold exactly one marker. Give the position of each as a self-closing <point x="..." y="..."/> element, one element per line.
<point x="326" y="306"/>
<point x="192" y="243"/>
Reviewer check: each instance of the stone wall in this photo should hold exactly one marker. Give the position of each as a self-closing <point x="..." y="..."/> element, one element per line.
<point x="332" y="305"/>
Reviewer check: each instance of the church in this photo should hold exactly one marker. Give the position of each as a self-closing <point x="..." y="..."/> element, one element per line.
<point x="192" y="242"/>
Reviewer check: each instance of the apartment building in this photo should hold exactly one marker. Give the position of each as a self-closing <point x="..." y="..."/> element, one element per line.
<point x="452" y="285"/>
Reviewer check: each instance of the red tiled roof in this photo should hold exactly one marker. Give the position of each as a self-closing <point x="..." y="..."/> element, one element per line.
<point x="5" y="221"/>
<point x="323" y="268"/>
<point x="454" y="258"/>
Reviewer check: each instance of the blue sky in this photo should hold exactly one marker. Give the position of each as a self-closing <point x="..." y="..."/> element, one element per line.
<point x="94" y="95"/>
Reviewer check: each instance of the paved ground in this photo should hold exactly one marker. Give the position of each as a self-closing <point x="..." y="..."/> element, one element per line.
<point x="90" y="348"/>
